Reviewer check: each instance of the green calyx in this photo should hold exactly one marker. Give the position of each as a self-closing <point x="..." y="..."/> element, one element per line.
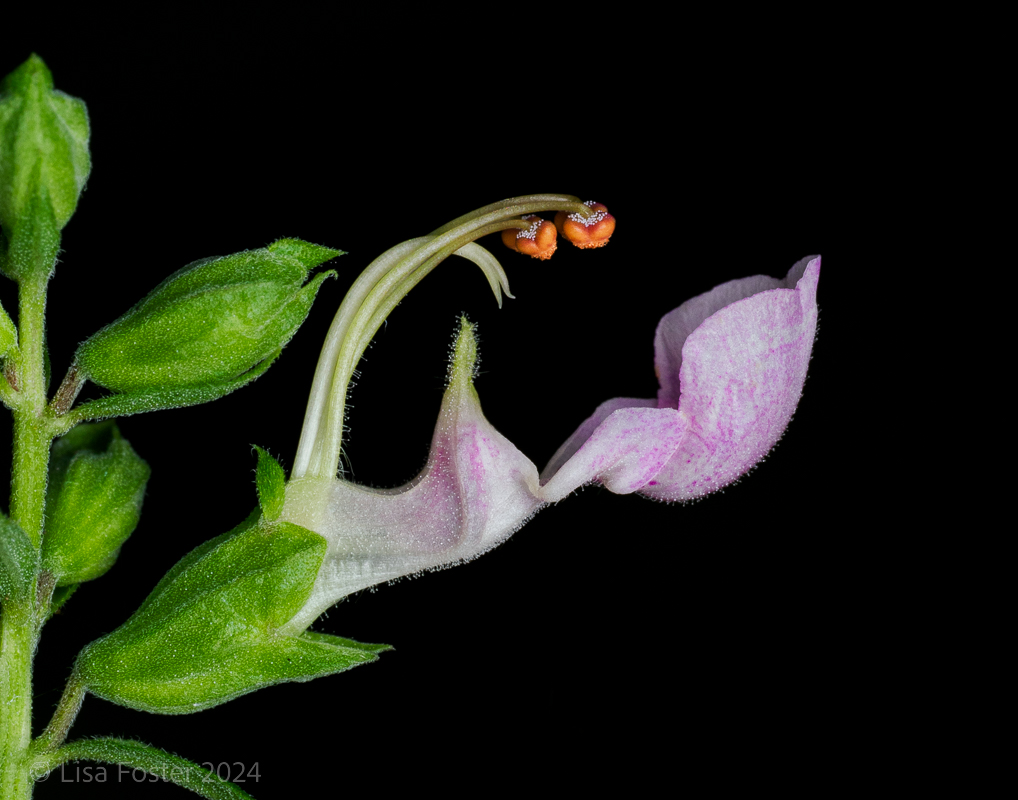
<point x="44" y="163"/>
<point x="19" y="562"/>
<point x="208" y="324"/>
<point x="209" y="632"/>
<point x="30" y="247"/>
<point x="93" y="502"/>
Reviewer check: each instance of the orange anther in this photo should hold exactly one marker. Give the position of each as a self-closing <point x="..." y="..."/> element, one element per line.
<point x="538" y="241"/>
<point x="595" y="231"/>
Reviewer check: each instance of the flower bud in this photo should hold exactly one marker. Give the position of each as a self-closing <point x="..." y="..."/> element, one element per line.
<point x="43" y="146"/>
<point x="593" y="231"/>
<point x="93" y="502"/>
<point x="208" y="323"/>
<point x="537" y="241"/>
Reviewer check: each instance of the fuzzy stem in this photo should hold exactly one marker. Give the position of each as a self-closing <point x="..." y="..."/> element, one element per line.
<point x="31" y="431"/>
<point x="19" y="626"/>
<point x="17" y="646"/>
<point x="63" y="717"/>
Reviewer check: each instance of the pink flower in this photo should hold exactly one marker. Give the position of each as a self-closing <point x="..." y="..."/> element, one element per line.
<point x="731" y="364"/>
<point x="476" y="490"/>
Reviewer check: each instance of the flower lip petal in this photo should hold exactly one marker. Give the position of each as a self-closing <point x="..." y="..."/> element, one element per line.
<point x="731" y="363"/>
<point x="741" y="376"/>
<point x="586" y="430"/>
<point x="676" y="326"/>
<point x="628" y="447"/>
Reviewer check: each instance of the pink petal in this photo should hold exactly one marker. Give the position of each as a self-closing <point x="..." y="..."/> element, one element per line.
<point x="624" y="444"/>
<point x="675" y="327"/>
<point x="732" y="363"/>
<point x="741" y="375"/>
<point x="586" y="430"/>
<point x="476" y="490"/>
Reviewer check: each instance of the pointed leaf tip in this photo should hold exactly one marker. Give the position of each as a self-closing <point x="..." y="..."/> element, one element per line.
<point x="271" y="482"/>
<point x="32" y="69"/>
<point x="463" y="362"/>
<point x="307" y="254"/>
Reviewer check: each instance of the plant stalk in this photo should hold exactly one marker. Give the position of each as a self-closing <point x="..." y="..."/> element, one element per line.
<point x="17" y="646"/>
<point x="21" y="620"/>
<point x="31" y="431"/>
<point x="63" y="718"/>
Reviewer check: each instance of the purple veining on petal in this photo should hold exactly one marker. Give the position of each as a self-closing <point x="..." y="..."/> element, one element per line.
<point x="731" y="363"/>
<point x="476" y="490"/>
<point x="627" y="449"/>
<point x="741" y="376"/>
<point x="586" y="430"/>
<point x="675" y="327"/>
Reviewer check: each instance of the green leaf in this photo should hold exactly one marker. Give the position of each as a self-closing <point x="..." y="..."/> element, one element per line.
<point x="210" y="631"/>
<point x="122" y="405"/>
<point x="196" y="556"/>
<point x="152" y="760"/>
<point x="339" y="642"/>
<point x="93" y="502"/>
<point x="262" y="574"/>
<point x="271" y="482"/>
<point x="208" y="323"/>
<point x="307" y="254"/>
<point x="214" y="679"/>
<point x="19" y="561"/>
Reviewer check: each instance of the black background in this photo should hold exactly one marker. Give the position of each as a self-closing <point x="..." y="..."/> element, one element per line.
<point x="613" y="641"/>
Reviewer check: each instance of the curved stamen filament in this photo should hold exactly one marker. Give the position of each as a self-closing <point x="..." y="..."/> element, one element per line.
<point x="330" y="350"/>
<point x="374" y="295"/>
<point x="548" y="202"/>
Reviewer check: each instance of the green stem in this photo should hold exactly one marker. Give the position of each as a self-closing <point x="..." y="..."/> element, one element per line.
<point x="28" y="479"/>
<point x="31" y="431"/>
<point x="17" y="646"/>
<point x="66" y="711"/>
<point x="19" y="626"/>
